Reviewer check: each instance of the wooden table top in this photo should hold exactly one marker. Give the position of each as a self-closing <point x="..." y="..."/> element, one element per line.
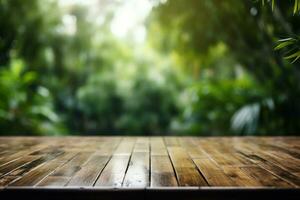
<point x="150" y="162"/>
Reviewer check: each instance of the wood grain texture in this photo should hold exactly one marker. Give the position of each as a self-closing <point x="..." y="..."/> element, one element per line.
<point x="141" y="162"/>
<point x="162" y="173"/>
<point x="137" y="174"/>
<point x="114" y="172"/>
<point x="186" y="171"/>
<point x="33" y="177"/>
<point x="213" y="173"/>
<point x="89" y="173"/>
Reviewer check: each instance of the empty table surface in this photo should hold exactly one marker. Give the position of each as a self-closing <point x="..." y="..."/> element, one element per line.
<point x="149" y="162"/>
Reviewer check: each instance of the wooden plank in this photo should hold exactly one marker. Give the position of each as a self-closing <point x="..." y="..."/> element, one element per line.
<point x="266" y="178"/>
<point x="54" y="181"/>
<point x="213" y="174"/>
<point x="114" y="172"/>
<point x="70" y="168"/>
<point x="158" y="147"/>
<point x="36" y="175"/>
<point x="4" y="181"/>
<point x="33" y="164"/>
<point x="13" y="155"/>
<point x="162" y="173"/>
<point x="192" y="148"/>
<point x="240" y="177"/>
<point x="136" y="162"/>
<point x="297" y="174"/>
<point x="283" y="148"/>
<point x="142" y="145"/>
<point x="47" y="150"/>
<point x="287" y="162"/>
<point x="4" y="169"/>
<point x="137" y="174"/>
<point x="62" y="175"/>
<point x="215" y="147"/>
<point x="230" y="160"/>
<point x="19" y="172"/>
<point x="125" y="147"/>
<point x="106" y="147"/>
<point x="186" y="171"/>
<point x="277" y="170"/>
<point x="89" y="173"/>
<point x="171" y="142"/>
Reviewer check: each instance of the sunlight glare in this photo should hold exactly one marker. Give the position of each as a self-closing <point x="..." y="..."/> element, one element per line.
<point x="129" y="19"/>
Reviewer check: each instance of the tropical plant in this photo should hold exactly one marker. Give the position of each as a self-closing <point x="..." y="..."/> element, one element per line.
<point x="24" y="107"/>
<point x="291" y="44"/>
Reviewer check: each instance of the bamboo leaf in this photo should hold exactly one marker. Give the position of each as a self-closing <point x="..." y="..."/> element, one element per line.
<point x="295" y="6"/>
<point x="296" y="58"/>
<point x="283" y="45"/>
<point x="287" y="39"/>
<point x="294" y="55"/>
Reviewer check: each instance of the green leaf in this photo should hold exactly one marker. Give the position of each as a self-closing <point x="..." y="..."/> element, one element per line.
<point x="296" y="59"/>
<point x="283" y="45"/>
<point x="294" y="55"/>
<point x="296" y="6"/>
<point x="29" y="77"/>
<point x="287" y="39"/>
<point x="17" y="66"/>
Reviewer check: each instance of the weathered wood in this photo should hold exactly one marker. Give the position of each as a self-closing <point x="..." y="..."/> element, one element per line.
<point x="186" y="171"/>
<point x="89" y="173"/>
<point x="54" y="181"/>
<point x="114" y="172"/>
<point x="162" y="173"/>
<point x="70" y="168"/>
<point x="37" y="174"/>
<point x="155" y="162"/>
<point x="265" y="177"/>
<point x="4" y="169"/>
<point x="240" y="177"/>
<point x="137" y="174"/>
<point x="125" y="147"/>
<point x="158" y="147"/>
<point x="213" y="173"/>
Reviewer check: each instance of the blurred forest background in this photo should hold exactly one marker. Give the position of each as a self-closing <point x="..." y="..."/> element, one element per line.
<point x="149" y="67"/>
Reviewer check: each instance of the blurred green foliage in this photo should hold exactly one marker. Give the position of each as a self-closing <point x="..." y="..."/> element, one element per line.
<point x="207" y="67"/>
<point x="25" y="108"/>
<point x="249" y="31"/>
<point x="211" y="105"/>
